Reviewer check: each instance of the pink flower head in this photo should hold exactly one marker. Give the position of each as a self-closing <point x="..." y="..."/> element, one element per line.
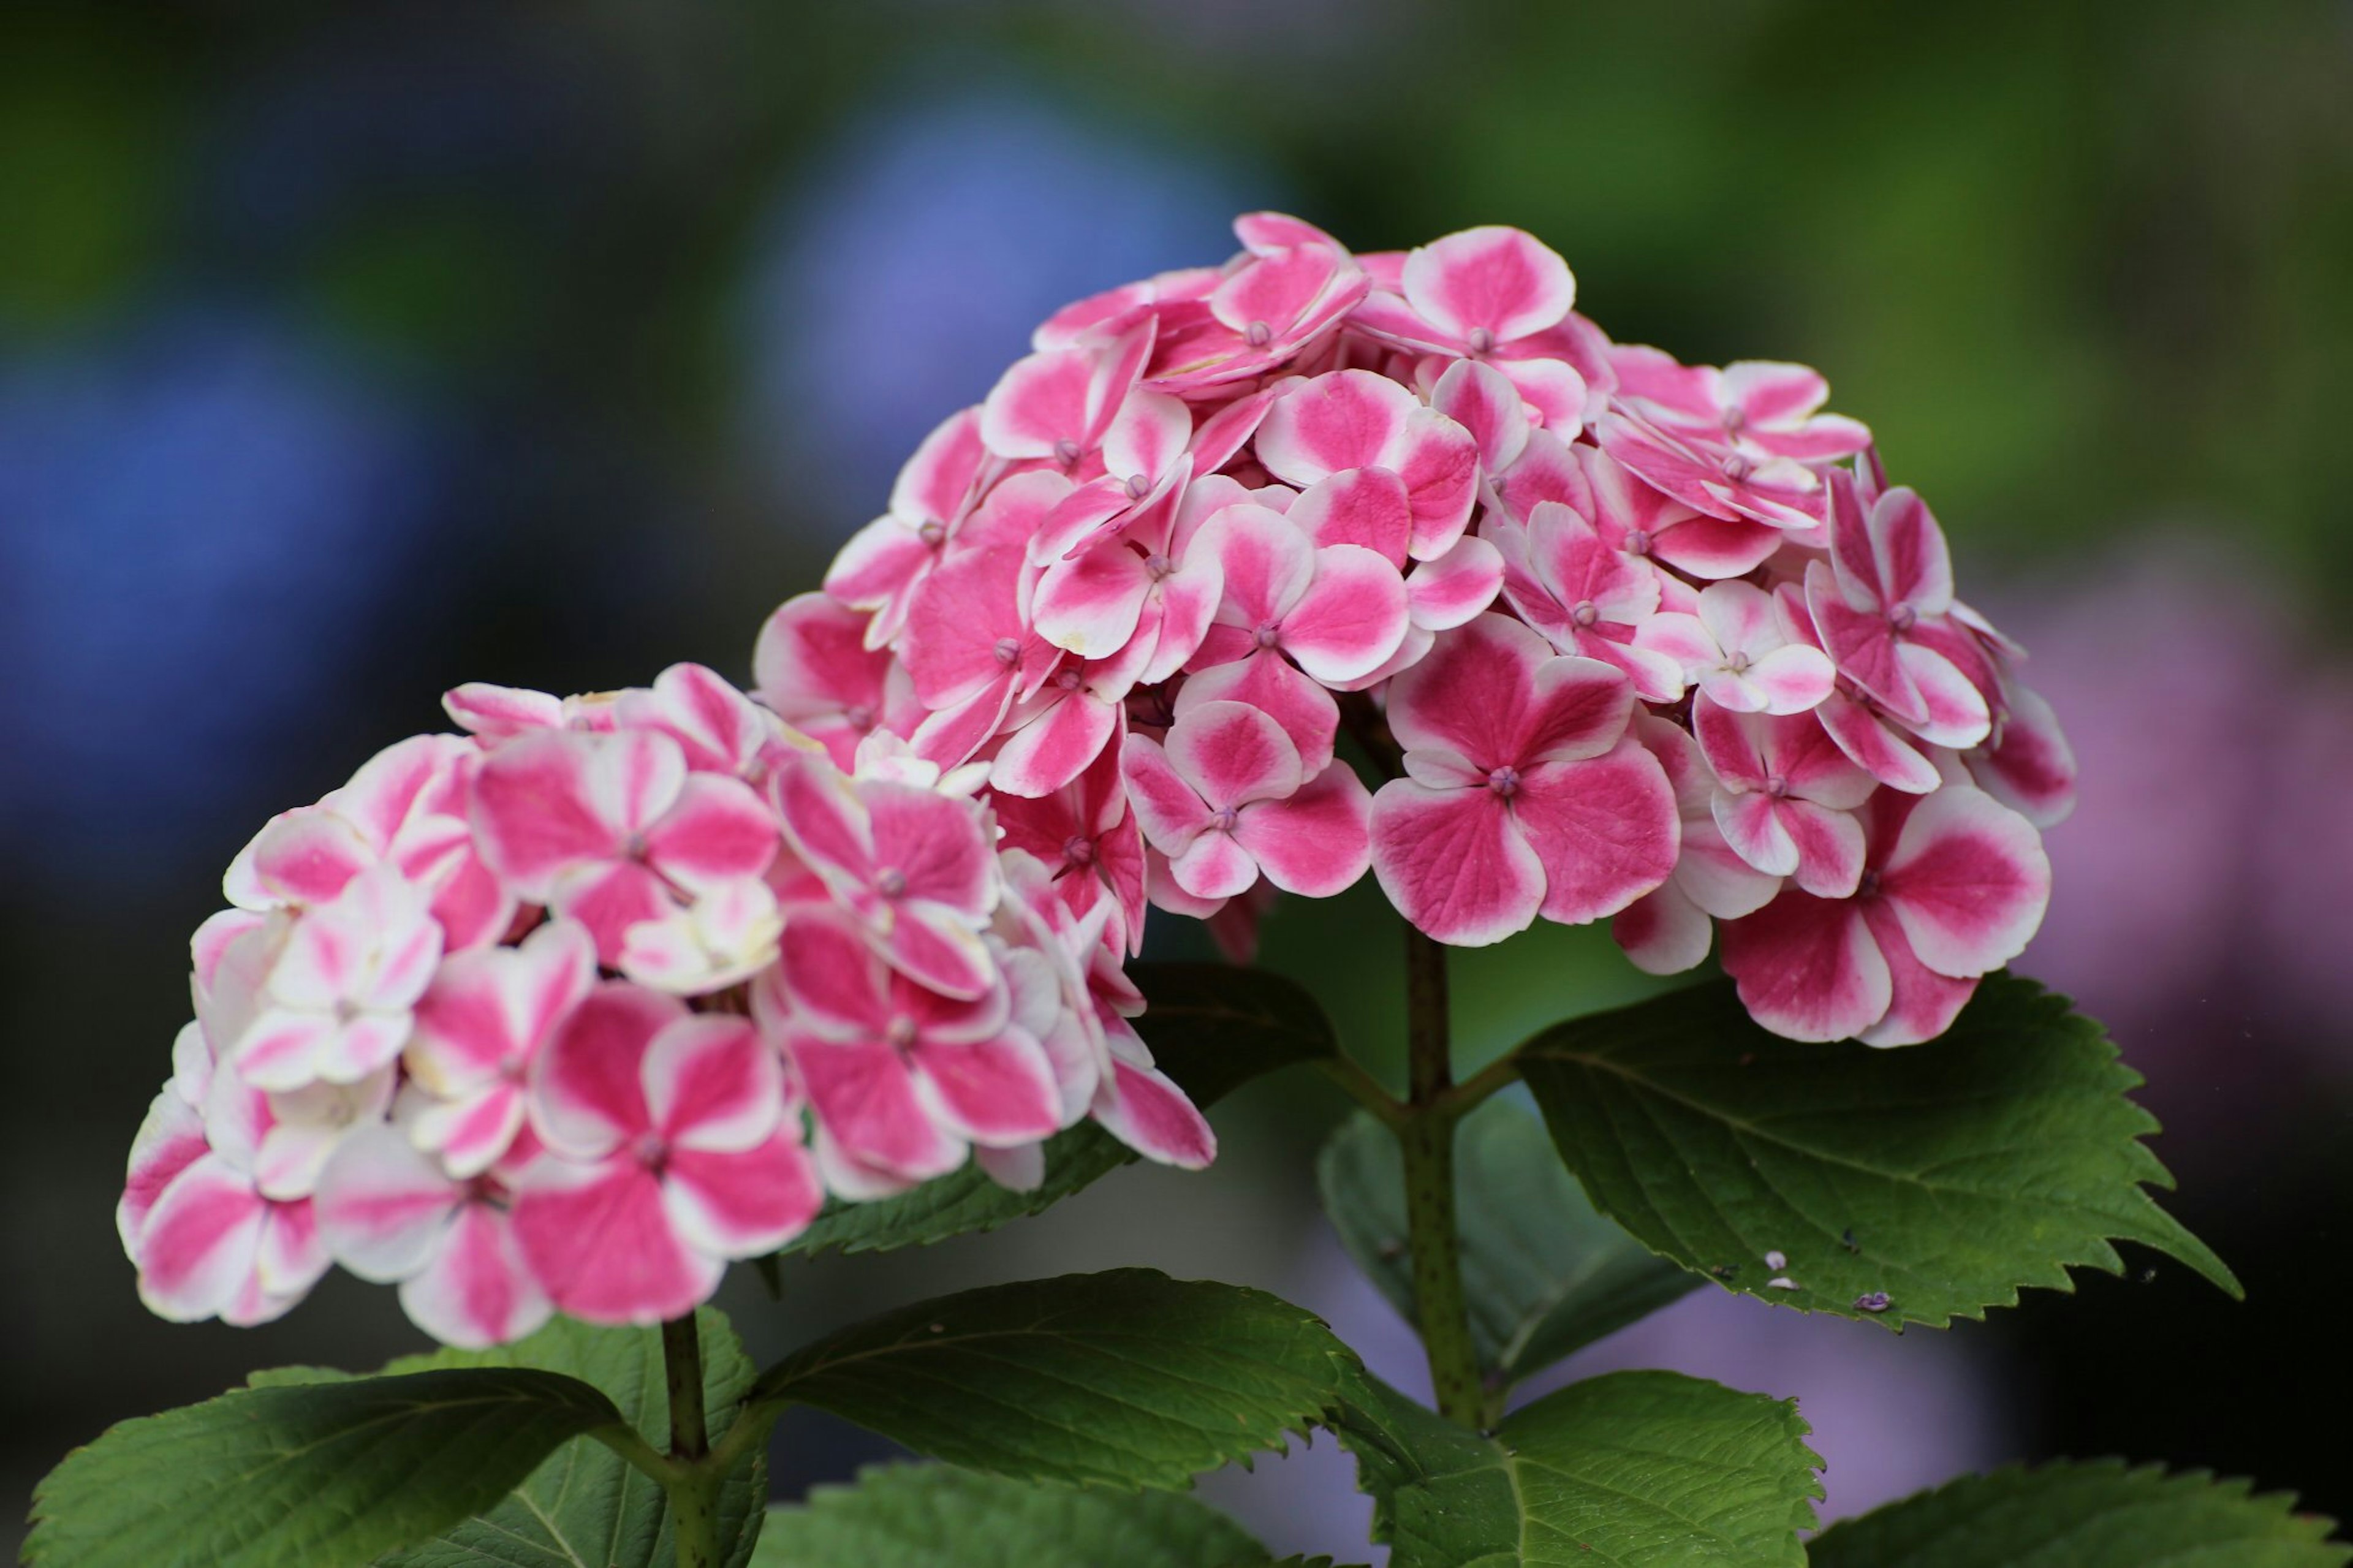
<point x="813" y="670"/>
<point x="478" y="1028"/>
<point x="1784" y="795"/>
<point x="1668" y="931"/>
<point x="908" y="863"/>
<point x="1056" y="406"/>
<point x="612" y="829"/>
<point x="1883" y="604"/>
<point x="1351" y="420"/>
<point x="1226" y="796"/>
<point x="407" y="808"/>
<point x="1144" y="583"/>
<point x="1722" y="478"/>
<point x="389" y="1211"/>
<point x="903" y="1078"/>
<point x="1523" y="794"/>
<point x="1630" y="514"/>
<point x="886" y="562"/>
<point x="1586" y="597"/>
<point x="1739" y="648"/>
<point x="1953" y="886"/>
<point x="1338" y="611"/>
<point x="670" y="1151"/>
<point x="717" y="727"/>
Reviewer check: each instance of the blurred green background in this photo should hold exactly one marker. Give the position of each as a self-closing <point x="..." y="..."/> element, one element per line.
<point x="349" y="352"/>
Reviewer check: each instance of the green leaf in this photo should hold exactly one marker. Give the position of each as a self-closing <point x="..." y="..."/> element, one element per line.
<point x="1636" y="1469"/>
<point x="308" y="1474"/>
<point x="585" y="1504"/>
<point x="916" y="1516"/>
<point x="1544" y="1273"/>
<point x="1211" y="1027"/>
<point x="1127" y="1378"/>
<point x="1943" y="1176"/>
<point x="2084" y="1515"/>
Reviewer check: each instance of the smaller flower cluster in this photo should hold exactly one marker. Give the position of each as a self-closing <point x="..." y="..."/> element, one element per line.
<point x="566" y="1013"/>
<point x="1647" y="640"/>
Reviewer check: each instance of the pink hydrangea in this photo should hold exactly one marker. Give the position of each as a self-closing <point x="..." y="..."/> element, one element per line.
<point x="1249" y="578"/>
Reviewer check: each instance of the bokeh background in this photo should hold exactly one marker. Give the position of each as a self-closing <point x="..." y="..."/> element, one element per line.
<point x="350" y="351"/>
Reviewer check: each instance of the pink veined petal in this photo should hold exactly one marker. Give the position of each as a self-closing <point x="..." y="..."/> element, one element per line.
<point x="1213" y="866"/>
<point x="712" y="1084"/>
<point x="382" y="1206"/>
<point x="873" y="572"/>
<point x="1351" y="618"/>
<point x="1864" y="646"/>
<point x="1716" y="546"/>
<point x="474" y="908"/>
<point x="865" y="1099"/>
<point x="1485" y="402"/>
<point x="937" y="480"/>
<point x="286" y="1264"/>
<point x="1554" y="391"/>
<point x="1346" y="419"/>
<point x="1768" y="392"/>
<point x="1267" y="560"/>
<point x="1271" y="684"/>
<point x="1663" y="933"/>
<point x="999" y="1091"/>
<point x="1412" y="650"/>
<point x="1317" y="842"/>
<point x="1922" y="1003"/>
<point x="1145" y="438"/>
<point x="717" y="830"/>
<point x="1915" y="567"/>
<point x="1169" y="809"/>
<point x="935" y="843"/>
<point x="1547" y="470"/>
<point x="1223" y="434"/>
<point x="1041" y="401"/>
<point x="1874" y="747"/>
<point x="1055" y="747"/>
<point x="303" y="856"/>
<point x="741" y="1204"/>
<point x="470" y="1134"/>
<point x="964" y="625"/>
<point x="1829" y="848"/>
<point x="1089" y="604"/>
<point x="550" y="800"/>
<point x="952" y="736"/>
<point x="201" y="1242"/>
<point x="1189" y="597"/>
<point x="1454" y="863"/>
<point x="936" y="946"/>
<point x="1956" y="712"/>
<point x="824" y="820"/>
<point x="1753" y="825"/>
<point x="1020" y="1169"/>
<point x="1682" y="639"/>
<point x="1968" y="880"/>
<point x="2029" y="767"/>
<point x="1439" y="461"/>
<point x="1443" y="593"/>
<point x="1366" y="507"/>
<point x="1808" y="969"/>
<point x="1474" y="694"/>
<point x="1488" y="285"/>
<point x="1142" y="1108"/>
<point x="1233" y="754"/>
<point x="170" y="1139"/>
<point x="1605" y="830"/>
<point x="811" y="660"/>
<point x="499" y="712"/>
<point x="476" y="1291"/>
<point x="836" y="985"/>
<point x="598" y="1237"/>
<point x="1739" y="617"/>
<point x="608" y="898"/>
<point x="1793" y="678"/>
<point x="588" y="1089"/>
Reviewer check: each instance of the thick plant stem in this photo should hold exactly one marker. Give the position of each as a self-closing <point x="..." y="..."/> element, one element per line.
<point x="693" y="1484"/>
<point x="1427" y="1139"/>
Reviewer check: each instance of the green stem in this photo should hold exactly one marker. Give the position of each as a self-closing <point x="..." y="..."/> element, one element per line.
<point x="1426" y="1137"/>
<point x="692" y="1484"/>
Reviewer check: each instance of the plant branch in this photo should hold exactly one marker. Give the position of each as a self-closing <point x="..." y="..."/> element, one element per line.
<point x="1364" y="1090"/>
<point x="692" y="1486"/>
<point x="1426" y="1139"/>
<point x="682" y="1360"/>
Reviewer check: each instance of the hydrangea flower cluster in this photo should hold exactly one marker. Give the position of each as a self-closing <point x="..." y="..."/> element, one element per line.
<point x="512" y="1019"/>
<point x="567" y="1011"/>
<point x="1641" y="639"/>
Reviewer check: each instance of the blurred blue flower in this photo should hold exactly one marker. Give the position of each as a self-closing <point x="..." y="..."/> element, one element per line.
<point x="904" y="273"/>
<point x="197" y="525"/>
